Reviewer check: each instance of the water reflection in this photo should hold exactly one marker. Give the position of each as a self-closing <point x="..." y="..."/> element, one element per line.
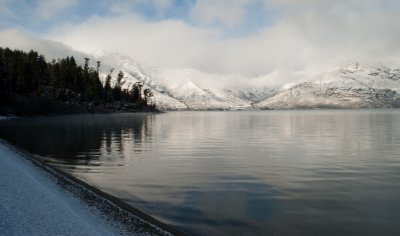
<point x="236" y="173"/>
<point x="82" y="139"/>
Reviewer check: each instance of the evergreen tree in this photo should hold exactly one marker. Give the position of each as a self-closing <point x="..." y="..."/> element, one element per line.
<point x="108" y="89"/>
<point x="147" y="95"/>
<point x="136" y="93"/>
<point x="117" y="88"/>
<point x="29" y="78"/>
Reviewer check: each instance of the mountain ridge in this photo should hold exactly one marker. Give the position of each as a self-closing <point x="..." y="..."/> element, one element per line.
<point x="350" y="85"/>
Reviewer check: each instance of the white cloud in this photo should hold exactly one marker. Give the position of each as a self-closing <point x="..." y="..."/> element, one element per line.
<point x="306" y="35"/>
<point x="229" y="13"/>
<point x="160" y="5"/>
<point x="47" y="9"/>
<point x="170" y="43"/>
<point x="16" y="39"/>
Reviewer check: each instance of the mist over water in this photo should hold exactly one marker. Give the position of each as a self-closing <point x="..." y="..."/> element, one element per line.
<point x="235" y="173"/>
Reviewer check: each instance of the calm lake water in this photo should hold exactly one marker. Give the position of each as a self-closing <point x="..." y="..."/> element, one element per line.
<point x="235" y="173"/>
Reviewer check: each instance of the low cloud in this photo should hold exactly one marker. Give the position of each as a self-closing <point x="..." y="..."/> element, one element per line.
<point x="299" y="37"/>
<point x="16" y="39"/>
<point x="309" y="38"/>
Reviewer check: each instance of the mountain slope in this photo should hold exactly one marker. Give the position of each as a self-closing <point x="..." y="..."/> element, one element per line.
<point x="206" y="99"/>
<point x="178" y="89"/>
<point x="352" y="86"/>
<point x="349" y="86"/>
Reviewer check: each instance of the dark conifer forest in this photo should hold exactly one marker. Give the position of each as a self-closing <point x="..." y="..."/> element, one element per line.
<point x="31" y="86"/>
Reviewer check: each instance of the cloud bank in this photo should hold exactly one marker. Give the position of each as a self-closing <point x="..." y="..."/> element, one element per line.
<point x="306" y="34"/>
<point x="282" y="38"/>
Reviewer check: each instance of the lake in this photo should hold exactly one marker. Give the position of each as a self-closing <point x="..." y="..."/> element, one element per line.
<point x="322" y="172"/>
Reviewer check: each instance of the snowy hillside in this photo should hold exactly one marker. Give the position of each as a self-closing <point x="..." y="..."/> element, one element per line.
<point x="350" y="86"/>
<point x="179" y="89"/>
<point x="205" y="99"/>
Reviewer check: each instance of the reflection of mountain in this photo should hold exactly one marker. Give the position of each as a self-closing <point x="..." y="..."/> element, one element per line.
<point x="82" y="139"/>
<point x="247" y="173"/>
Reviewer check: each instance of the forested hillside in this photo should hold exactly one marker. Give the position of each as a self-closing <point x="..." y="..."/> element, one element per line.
<point x="29" y="86"/>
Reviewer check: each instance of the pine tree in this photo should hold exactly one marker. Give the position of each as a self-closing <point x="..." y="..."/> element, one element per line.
<point x="27" y="77"/>
<point x="117" y="88"/>
<point x="147" y="95"/>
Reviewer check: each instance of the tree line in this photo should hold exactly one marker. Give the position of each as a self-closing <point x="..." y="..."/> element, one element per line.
<point x="30" y="85"/>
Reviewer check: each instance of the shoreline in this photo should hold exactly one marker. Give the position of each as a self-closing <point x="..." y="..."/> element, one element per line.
<point x="140" y="111"/>
<point x="131" y="219"/>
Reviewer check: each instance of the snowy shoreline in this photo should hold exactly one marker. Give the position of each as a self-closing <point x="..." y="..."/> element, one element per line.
<point x="37" y="199"/>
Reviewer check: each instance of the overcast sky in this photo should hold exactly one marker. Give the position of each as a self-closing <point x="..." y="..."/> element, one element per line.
<point x="248" y="37"/>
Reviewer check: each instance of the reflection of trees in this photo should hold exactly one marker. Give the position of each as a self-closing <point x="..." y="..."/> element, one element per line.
<point x="78" y="139"/>
<point x="123" y="132"/>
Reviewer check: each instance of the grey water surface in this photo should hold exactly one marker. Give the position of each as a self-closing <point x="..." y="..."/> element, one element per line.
<point x="324" y="172"/>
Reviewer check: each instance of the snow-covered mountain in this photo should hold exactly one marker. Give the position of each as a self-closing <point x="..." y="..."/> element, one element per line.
<point x="179" y="89"/>
<point x="209" y="98"/>
<point x="350" y="86"/>
<point x="134" y="73"/>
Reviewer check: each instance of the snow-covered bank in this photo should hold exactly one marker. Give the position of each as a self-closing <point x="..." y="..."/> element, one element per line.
<point x="36" y="202"/>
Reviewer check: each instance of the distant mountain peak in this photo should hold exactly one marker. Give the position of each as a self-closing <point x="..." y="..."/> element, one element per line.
<point x="351" y="67"/>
